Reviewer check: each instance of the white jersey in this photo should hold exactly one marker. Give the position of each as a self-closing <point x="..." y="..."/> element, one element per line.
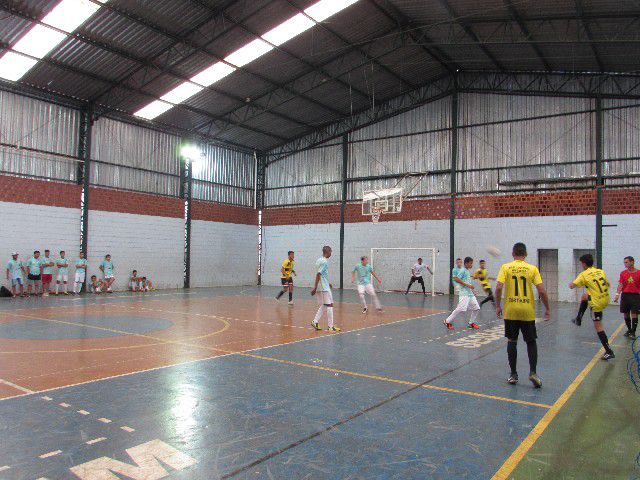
<point x="419" y="269"/>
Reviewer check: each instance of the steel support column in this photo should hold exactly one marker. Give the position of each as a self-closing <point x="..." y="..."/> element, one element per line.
<point x="261" y="178"/>
<point x="186" y="184"/>
<point x="343" y="205"/>
<point x="599" y="181"/>
<point x="454" y="186"/>
<point x="84" y="175"/>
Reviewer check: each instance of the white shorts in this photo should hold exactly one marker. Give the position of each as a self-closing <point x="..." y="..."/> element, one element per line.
<point x="325" y="298"/>
<point x="134" y="285"/>
<point x="107" y="277"/>
<point x="80" y="275"/>
<point x="16" y="281"/>
<point x="466" y="303"/>
<point x="62" y="278"/>
<point x="368" y="288"/>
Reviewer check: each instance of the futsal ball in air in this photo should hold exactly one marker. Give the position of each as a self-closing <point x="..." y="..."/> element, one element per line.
<point x="493" y="251"/>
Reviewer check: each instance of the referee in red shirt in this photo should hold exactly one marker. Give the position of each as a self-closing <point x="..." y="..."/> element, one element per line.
<point x="629" y="287"/>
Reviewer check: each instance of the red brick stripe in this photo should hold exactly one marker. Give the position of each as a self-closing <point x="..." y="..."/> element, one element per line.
<point x="38" y="192"/>
<point x="108" y="200"/>
<point x="213" y="212"/>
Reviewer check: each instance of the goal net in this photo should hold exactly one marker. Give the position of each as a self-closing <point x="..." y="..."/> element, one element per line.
<point x="394" y="265"/>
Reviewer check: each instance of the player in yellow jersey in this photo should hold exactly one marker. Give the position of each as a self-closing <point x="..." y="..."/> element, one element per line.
<point x="597" y="285"/>
<point x="483" y="277"/>
<point x="517" y="279"/>
<point x="286" y="277"/>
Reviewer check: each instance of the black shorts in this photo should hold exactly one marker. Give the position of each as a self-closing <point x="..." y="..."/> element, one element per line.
<point x="527" y="327"/>
<point x="597" y="316"/>
<point x="34" y="277"/>
<point x="287" y="281"/>
<point x="417" y="279"/>
<point x="630" y="303"/>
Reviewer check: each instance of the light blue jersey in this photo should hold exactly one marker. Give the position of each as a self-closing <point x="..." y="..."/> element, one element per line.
<point x="464" y="275"/>
<point x="364" y="273"/>
<point x="15" y="267"/>
<point x="62" y="270"/>
<point x="81" y="262"/>
<point x="33" y="264"/>
<point x="322" y="266"/>
<point x="47" y="270"/>
<point x="108" y="268"/>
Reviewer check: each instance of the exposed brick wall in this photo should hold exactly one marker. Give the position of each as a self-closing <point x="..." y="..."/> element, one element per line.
<point x="615" y="201"/>
<point x="107" y="200"/>
<point x="214" y="212"/>
<point x="39" y="192"/>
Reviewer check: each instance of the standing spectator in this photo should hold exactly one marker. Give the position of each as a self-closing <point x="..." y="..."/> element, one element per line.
<point x="34" y="273"/>
<point x="63" y="273"/>
<point x="107" y="271"/>
<point x="47" y="273"/>
<point x="81" y="273"/>
<point x="14" y="272"/>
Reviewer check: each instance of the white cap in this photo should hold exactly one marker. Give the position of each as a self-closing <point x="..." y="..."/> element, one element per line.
<point x="14" y="254"/>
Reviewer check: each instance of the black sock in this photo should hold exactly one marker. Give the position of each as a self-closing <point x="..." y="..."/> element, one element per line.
<point x="409" y="287"/>
<point x="583" y="308"/>
<point x="280" y="294"/>
<point x="290" y="296"/>
<point x="532" y="351"/>
<point x="604" y="341"/>
<point x="488" y="299"/>
<point x="627" y="321"/>
<point x="634" y="324"/>
<point x="512" y="353"/>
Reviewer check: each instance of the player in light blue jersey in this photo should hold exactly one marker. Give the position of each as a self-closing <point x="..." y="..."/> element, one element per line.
<point x="107" y="270"/>
<point x="15" y="269"/>
<point x="323" y="288"/>
<point x="466" y="298"/>
<point x="364" y="272"/>
<point x="63" y="274"/>
<point x="81" y="273"/>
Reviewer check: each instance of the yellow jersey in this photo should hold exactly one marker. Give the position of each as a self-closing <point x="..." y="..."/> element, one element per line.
<point x="597" y="286"/>
<point x="519" y="279"/>
<point x="483" y="277"/>
<point x="287" y="269"/>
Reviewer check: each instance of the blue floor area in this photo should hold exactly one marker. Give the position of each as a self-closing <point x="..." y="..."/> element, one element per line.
<point x="250" y="418"/>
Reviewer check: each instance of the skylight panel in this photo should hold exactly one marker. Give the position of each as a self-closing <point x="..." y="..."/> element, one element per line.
<point x="13" y="66"/>
<point x="214" y="73"/>
<point x="326" y="8"/>
<point x="153" y="110"/>
<point x="289" y="29"/>
<point x="249" y="53"/>
<point x="182" y="92"/>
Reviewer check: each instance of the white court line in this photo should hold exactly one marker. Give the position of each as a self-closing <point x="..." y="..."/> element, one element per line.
<point x="17" y="387"/>
<point x="46" y="399"/>
<point x="64" y="405"/>
<point x="83" y="412"/>
<point x="6" y="467"/>
<point x="51" y="454"/>
<point x="96" y="440"/>
<point x="127" y="429"/>
<point x="188" y="362"/>
<point x="104" y="420"/>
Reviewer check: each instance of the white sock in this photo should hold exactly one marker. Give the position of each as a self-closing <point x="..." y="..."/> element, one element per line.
<point x="362" y="300"/>
<point x="330" y="316"/>
<point x="76" y="287"/>
<point x="319" y="313"/>
<point x="57" y="288"/>
<point x="376" y="301"/>
<point x="473" y="316"/>
<point x="64" y="287"/>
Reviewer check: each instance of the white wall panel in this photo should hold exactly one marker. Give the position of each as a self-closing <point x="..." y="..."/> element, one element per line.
<point x="223" y="254"/>
<point x="26" y="228"/>
<point x="307" y="241"/>
<point x="152" y="245"/>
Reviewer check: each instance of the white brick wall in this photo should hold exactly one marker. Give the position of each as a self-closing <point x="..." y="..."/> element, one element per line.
<point x="223" y="254"/>
<point x="26" y="228"/>
<point x="152" y="245"/>
<point x="307" y="241"/>
<point x="472" y="238"/>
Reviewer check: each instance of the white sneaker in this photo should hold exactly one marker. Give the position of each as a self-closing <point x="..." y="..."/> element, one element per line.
<point x="365" y="310"/>
<point x="45" y="294"/>
<point x="290" y="302"/>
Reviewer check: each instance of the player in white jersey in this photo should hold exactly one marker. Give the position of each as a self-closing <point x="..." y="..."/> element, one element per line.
<point x="417" y="274"/>
<point x="81" y="273"/>
<point x="323" y="289"/>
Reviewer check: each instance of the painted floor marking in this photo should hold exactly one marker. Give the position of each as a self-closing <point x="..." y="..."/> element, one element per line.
<point x="104" y="420"/>
<point x="5" y="467"/>
<point x="46" y="399"/>
<point x="127" y="429"/>
<point x="17" y="387"/>
<point x="225" y="353"/>
<point x="96" y="440"/>
<point x="50" y="454"/>
<point x="401" y="382"/>
<point x="84" y="412"/>
<point x="516" y="457"/>
<point x="64" y="405"/>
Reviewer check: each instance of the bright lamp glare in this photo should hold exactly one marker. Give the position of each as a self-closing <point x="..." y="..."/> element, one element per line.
<point x="154" y="109"/>
<point x="70" y="14"/>
<point x="191" y="153"/>
<point x="326" y="8"/>
<point x="289" y="29"/>
<point x="249" y="53"/>
<point x="13" y="66"/>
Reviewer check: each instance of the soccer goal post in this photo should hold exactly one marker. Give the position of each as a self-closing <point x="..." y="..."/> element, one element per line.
<point x="394" y="266"/>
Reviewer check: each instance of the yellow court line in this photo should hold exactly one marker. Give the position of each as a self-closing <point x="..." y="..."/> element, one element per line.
<point x="516" y="457"/>
<point x="393" y="380"/>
